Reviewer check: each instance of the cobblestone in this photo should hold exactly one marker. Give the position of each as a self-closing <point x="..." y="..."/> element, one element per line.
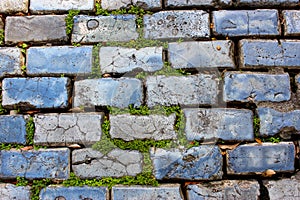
<point x="183" y="3"/>
<point x="292" y="22"/>
<point x="10" y="191"/>
<point x="11" y="60"/>
<point x="12" y="129"/>
<point x="145" y="4"/>
<point x="13" y="6"/>
<point x="266" y="3"/>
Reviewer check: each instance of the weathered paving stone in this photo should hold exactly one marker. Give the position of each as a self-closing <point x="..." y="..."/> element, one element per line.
<point x="11" y="60"/>
<point x="37" y="29"/>
<point x="257" y="87"/>
<point x="269" y="53"/>
<point x="257" y="158"/>
<point x="67" y="128"/>
<point x="131" y="127"/>
<point x="64" y="193"/>
<point x="164" y="191"/>
<point x="13" y="6"/>
<point x="12" y="129"/>
<point x="266" y="3"/>
<point x="93" y="29"/>
<point x="212" y="54"/>
<point x="43" y="163"/>
<point x="186" y="24"/>
<point x="145" y="4"/>
<point x="59" y="60"/>
<point x="218" y="123"/>
<point x="195" y="90"/>
<point x="227" y="189"/>
<point x="89" y="163"/>
<point x="122" y="60"/>
<point x="291" y="22"/>
<point x="10" y="191"/>
<point x="108" y="92"/>
<point x="193" y="3"/>
<point x="197" y="163"/>
<point x="45" y="92"/>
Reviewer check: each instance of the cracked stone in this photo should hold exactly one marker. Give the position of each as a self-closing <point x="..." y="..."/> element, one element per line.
<point x="10" y="191"/>
<point x="13" y="6"/>
<point x="292" y="22"/>
<point x="12" y="129"/>
<point x="11" y="60"/>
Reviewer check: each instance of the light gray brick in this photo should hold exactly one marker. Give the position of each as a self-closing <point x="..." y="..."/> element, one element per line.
<point x="11" y="60"/>
<point x="145" y="4"/>
<point x="266" y="3"/>
<point x="12" y="129"/>
<point x="13" y="6"/>
<point x="184" y="3"/>
<point x="10" y="191"/>
<point x="188" y="24"/>
<point x="291" y="22"/>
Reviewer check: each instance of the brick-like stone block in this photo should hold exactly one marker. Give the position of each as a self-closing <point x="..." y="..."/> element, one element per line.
<point x="122" y="60"/>
<point x="12" y="129"/>
<point x="131" y="127"/>
<point x="11" y="60"/>
<point x="89" y="163"/>
<point x="291" y="22"/>
<point x="257" y="158"/>
<point x="45" y="92"/>
<point x="84" y="192"/>
<point x="227" y="189"/>
<point x="67" y="128"/>
<point x="108" y="92"/>
<point x="186" y="24"/>
<point x="93" y="29"/>
<point x="145" y="4"/>
<point x="211" y="54"/>
<point x="59" y="60"/>
<point x="185" y="3"/>
<point x="43" y="163"/>
<point x="257" y="87"/>
<point x="267" y="3"/>
<point x="195" y="90"/>
<point x="13" y="6"/>
<point x="164" y="191"/>
<point x="10" y="191"/>
<point x="218" y="123"/>
<point x="246" y="23"/>
<point x="197" y="163"/>
<point x="269" y="53"/>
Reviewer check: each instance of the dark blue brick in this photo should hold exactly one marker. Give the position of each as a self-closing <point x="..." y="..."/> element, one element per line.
<point x="12" y="129"/>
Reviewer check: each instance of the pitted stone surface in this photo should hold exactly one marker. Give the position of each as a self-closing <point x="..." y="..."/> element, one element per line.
<point x="196" y="90"/>
<point x="291" y="22"/>
<point x="122" y="60"/>
<point x="227" y="189"/>
<point x="13" y="6"/>
<point x="44" y="163"/>
<point x="88" y="163"/>
<point x="12" y="129"/>
<point x="186" y="24"/>
<point x="246" y="23"/>
<point x="269" y="53"/>
<point x="180" y="3"/>
<point x="59" y="60"/>
<point x="164" y="191"/>
<point x="218" y="123"/>
<point x="257" y="158"/>
<point x="74" y="193"/>
<point x="131" y="127"/>
<point x="93" y="29"/>
<point x="11" y="60"/>
<point x="117" y="4"/>
<point x="10" y="191"/>
<point x="67" y="128"/>
<point x="249" y="87"/>
<point x="37" y="29"/>
<point x="197" y="163"/>
<point x="45" y="92"/>
<point x="212" y="54"/>
<point x="108" y="92"/>
<point x="266" y="3"/>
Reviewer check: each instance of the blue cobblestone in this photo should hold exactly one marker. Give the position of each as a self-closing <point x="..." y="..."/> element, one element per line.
<point x="10" y="192"/>
<point x="11" y="60"/>
<point x="12" y="129"/>
<point x="291" y="22"/>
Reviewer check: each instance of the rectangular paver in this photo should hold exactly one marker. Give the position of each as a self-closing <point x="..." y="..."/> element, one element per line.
<point x="266" y="3"/>
<point x="145" y="4"/>
<point x="291" y="22"/>
<point x="12" y="129"/>
<point x="11" y="60"/>
<point x="10" y="191"/>
<point x="286" y="188"/>
<point x="13" y="6"/>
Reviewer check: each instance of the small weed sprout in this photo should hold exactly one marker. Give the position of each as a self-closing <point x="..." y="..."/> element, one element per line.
<point x="69" y="21"/>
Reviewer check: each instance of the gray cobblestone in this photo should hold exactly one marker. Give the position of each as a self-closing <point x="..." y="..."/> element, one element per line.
<point x="10" y="191"/>
<point x="145" y="4"/>
<point x="181" y="3"/>
<point x="266" y="3"/>
<point x="12" y="129"/>
<point x="177" y="24"/>
<point x="11" y="60"/>
<point x="291" y="22"/>
<point x="13" y="6"/>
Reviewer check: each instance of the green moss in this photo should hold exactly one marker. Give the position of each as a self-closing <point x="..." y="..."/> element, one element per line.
<point x="69" y="21"/>
<point x="37" y="186"/>
<point x="30" y="131"/>
<point x="1" y="37"/>
<point x="256" y="125"/>
<point x="21" y="181"/>
<point x="96" y="71"/>
<point x="169" y="71"/>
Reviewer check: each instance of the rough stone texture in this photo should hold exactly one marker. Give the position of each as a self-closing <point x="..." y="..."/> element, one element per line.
<point x="257" y="158"/>
<point x="246" y="23"/>
<point x="291" y="22"/>
<point x="266" y="3"/>
<point x="227" y="189"/>
<point x="11" y="60"/>
<point x="249" y="87"/>
<point x="269" y="53"/>
<point x="164" y="191"/>
<point x="212" y="54"/>
<point x="197" y="163"/>
<point x="89" y="163"/>
<point x="66" y="193"/>
<point x="131" y="127"/>
<point x="122" y="60"/>
<point x="44" y="163"/>
<point x="195" y="90"/>
<point x="188" y="24"/>
<point x="12" y="129"/>
<point x="181" y="3"/>
<point x="218" y="123"/>
<point x="67" y="128"/>
<point x="93" y="29"/>
<point x="13" y="6"/>
<point x="120" y="92"/>
<point x="45" y="92"/>
<point x="37" y="29"/>
<point x="145" y="4"/>
<point x="59" y="60"/>
<point x="10" y="191"/>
